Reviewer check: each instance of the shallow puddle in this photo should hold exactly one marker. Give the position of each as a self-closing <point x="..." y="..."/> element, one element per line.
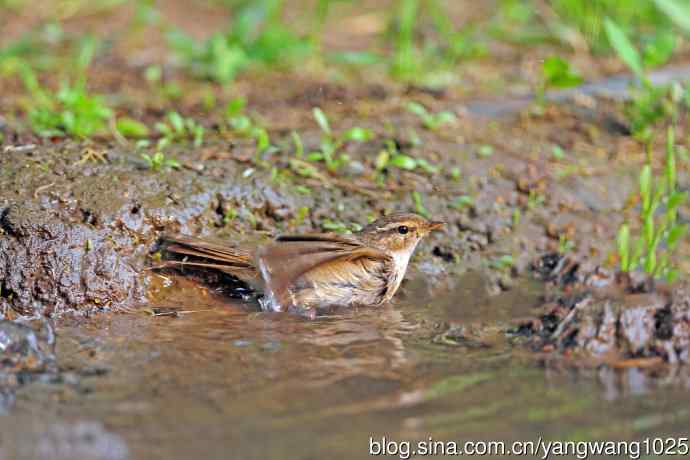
<point x="219" y="380"/>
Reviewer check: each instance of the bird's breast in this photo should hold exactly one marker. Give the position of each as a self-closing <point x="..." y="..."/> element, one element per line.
<point x="360" y="282"/>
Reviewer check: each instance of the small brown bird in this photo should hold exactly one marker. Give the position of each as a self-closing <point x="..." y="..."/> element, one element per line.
<point x="306" y="272"/>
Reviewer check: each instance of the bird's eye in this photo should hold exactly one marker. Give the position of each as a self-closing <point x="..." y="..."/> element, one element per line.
<point x="403" y="229"/>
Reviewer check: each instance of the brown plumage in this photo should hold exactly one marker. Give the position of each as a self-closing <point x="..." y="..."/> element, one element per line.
<point x="310" y="271"/>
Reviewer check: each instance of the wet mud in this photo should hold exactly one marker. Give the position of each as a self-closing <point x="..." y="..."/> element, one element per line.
<point x="601" y="316"/>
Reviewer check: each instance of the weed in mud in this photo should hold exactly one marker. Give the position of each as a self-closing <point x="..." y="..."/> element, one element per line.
<point x="331" y="143"/>
<point x="657" y="218"/>
<point x="557" y="152"/>
<point x="243" y="125"/>
<point x="176" y="128"/>
<point x="300" y="216"/>
<point x="455" y="173"/>
<point x="535" y="199"/>
<point x="504" y="262"/>
<point x="565" y="244"/>
<point x="431" y="121"/>
<point x="463" y="201"/>
<point x="556" y="73"/>
<point x="131" y="128"/>
<point x="299" y="145"/>
<point x="485" y="151"/>
<point x="390" y="156"/>
<point x="419" y="205"/>
<point x="229" y="215"/>
<point x="159" y="161"/>
<point x="340" y="227"/>
<point x="516" y="218"/>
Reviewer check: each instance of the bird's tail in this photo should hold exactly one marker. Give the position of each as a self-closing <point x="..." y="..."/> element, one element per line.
<point x="196" y="252"/>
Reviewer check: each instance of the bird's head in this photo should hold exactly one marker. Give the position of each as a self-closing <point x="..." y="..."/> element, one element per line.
<point x="398" y="233"/>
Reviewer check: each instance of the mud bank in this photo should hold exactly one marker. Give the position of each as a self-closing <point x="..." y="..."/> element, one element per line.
<point x="605" y="317"/>
<point x="75" y="237"/>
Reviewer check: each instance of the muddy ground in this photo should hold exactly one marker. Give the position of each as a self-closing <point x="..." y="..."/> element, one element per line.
<point x="80" y="221"/>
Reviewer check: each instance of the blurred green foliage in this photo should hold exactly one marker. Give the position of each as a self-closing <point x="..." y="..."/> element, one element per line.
<point x="587" y="17"/>
<point x="256" y="35"/>
<point x="423" y="41"/>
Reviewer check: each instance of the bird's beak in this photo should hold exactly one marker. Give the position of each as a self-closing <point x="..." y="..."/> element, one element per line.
<point x="436" y="225"/>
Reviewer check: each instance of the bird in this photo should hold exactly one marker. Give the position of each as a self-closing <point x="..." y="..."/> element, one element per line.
<point x="308" y="272"/>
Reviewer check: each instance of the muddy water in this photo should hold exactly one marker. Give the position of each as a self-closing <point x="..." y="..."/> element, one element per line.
<point x="219" y="380"/>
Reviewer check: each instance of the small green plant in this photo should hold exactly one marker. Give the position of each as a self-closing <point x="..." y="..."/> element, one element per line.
<point x="455" y="173"/>
<point x="485" y="151"/>
<point x="650" y="103"/>
<point x="504" y="262"/>
<point x="535" y="199"/>
<point x="658" y="221"/>
<point x="463" y="201"/>
<point x="390" y="156"/>
<point x="331" y="143"/>
<point x="565" y="244"/>
<point x="256" y="36"/>
<point x="556" y="73"/>
<point x="158" y="161"/>
<point x="245" y="126"/>
<point x="419" y="205"/>
<point x="431" y="121"/>
<point x="131" y="128"/>
<point x="229" y="215"/>
<point x="176" y="128"/>
<point x="557" y="152"/>
<point x="516" y="218"/>
<point x="340" y="227"/>
<point x="72" y="111"/>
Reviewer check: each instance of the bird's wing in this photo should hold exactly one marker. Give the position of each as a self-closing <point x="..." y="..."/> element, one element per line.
<point x="186" y="245"/>
<point x="206" y="254"/>
<point x="283" y="262"/>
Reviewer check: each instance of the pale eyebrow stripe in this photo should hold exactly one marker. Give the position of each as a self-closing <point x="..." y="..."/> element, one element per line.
<point x="394" y="226"/>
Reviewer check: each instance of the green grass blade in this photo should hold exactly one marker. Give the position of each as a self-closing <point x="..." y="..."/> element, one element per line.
<point x="624" y="48"/>
<point x="677" y="11"/>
